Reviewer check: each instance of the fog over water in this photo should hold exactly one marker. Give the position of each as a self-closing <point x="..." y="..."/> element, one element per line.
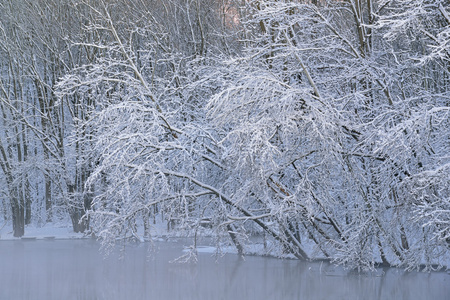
<point x="75" y="269"/>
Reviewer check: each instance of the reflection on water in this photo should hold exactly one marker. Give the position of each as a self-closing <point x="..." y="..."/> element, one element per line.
<point x="74" y="269"/>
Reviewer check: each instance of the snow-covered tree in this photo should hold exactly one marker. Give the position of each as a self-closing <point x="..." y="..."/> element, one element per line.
<point x="331" y="113"/>
<point x="320" y="123"/>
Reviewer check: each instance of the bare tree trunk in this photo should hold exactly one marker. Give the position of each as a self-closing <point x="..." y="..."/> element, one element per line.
<point x="234" y="238"/>
<point x="48" y="198"/>
<point x="18" y="216"/>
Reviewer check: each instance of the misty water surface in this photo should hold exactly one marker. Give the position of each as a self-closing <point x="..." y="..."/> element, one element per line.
<point x="74" y="269"/>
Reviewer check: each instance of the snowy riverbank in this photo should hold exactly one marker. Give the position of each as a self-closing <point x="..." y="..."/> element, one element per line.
<point x="159" y="232"/>
<point x="64" y="230"/>
<point x="50" y="230"/>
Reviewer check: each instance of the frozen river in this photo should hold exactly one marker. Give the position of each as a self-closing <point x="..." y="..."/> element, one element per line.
<point x="74" y="269"/>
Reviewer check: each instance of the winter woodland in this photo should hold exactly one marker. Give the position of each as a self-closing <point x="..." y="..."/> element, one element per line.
<point x="321" y="125"/>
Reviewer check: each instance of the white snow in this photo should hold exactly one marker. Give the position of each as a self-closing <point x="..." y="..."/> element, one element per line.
<point x="48" y="231"/>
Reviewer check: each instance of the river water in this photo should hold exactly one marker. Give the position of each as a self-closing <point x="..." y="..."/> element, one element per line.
<point x="75" y="269"/>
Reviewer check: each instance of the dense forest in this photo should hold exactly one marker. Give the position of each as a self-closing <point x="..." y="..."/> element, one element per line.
<point x="322" y="125"/>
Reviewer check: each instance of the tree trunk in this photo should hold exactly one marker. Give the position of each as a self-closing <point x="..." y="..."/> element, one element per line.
<point x="234" y="238"/>
<point x="76" y="213"/>
<point x="18" y="216"/>
<point x="27" y="204"/>
<point x="48" y="198"/>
